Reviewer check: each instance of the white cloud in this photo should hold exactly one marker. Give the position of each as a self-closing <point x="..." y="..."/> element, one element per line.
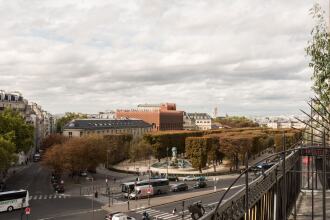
<point x="247" y="57"/>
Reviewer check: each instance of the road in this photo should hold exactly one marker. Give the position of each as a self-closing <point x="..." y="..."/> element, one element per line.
<point x="47" y="205"/>
<point x="44" y="203"/>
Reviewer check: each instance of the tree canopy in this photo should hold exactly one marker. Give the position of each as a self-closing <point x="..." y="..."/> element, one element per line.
<point x="236" y="122"/>
<point x="66" y="119"/>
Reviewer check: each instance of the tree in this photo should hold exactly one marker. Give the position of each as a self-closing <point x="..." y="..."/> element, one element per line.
<point x="7" y="154"/>
<point x="14" y="127"/>
<point x="213" y="153"/>
<point x="53" y="139"/>
<point x="69" y="116"/>
<point x="319" y="50"/>
<point x="236" y="122"/>
<point x="197" y="151"/>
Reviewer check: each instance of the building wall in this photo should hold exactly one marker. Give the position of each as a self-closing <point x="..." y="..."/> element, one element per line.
<point x="151" y="117"/>
<point x="136" y="132"/>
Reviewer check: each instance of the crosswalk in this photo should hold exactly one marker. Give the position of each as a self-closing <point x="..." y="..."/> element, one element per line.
<point x="157" y="214"/>
<point x="51" y="196"/>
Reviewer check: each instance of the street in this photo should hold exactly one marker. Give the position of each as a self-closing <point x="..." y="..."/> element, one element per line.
<point x="44" y="203"/>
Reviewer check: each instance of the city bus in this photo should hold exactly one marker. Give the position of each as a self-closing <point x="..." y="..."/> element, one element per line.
<point x="11" y="200"/>
<point x="159" y="186"/>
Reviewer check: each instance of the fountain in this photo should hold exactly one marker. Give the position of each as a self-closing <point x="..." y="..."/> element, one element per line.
<point x="174" y="163"/>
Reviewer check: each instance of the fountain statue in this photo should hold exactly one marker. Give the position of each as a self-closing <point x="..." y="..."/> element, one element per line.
<point x="174" y="160"/>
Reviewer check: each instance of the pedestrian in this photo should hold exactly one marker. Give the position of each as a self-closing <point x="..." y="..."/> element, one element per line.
<point x="174" y="211"/>
<point x="114" y="180"/>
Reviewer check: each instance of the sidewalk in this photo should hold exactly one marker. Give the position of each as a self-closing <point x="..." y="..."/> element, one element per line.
<point x="14" y="170"/>
<point x="304" y="205"/>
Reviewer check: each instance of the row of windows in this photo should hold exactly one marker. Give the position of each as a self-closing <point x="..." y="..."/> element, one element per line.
<point x="203" y="121"/>
<point x="117" y="131"/>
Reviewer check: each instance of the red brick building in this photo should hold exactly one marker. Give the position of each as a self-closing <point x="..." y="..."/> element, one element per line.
<point x="162" y="116"/>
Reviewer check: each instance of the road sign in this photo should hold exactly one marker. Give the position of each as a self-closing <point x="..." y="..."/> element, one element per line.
<point x="149" y="190"/>
<point x="27" y="211"/>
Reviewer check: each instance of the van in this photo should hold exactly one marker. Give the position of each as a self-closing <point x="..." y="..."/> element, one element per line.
<point x="141" y="192"/>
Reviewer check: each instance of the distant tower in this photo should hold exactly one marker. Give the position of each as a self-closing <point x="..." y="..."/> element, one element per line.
<point x="215" y="112"/>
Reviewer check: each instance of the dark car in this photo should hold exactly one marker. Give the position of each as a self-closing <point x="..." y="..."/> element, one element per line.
<point x="200" y="184"/>
<point x="179" y="187"/>
<point x="201" y="178"/>
<point x="59" y="188"/>
<point x="172" y="178"/>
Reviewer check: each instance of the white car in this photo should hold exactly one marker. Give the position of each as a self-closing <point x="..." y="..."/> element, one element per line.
<point x="122" y="216"/>
<point x="189" y="178"/>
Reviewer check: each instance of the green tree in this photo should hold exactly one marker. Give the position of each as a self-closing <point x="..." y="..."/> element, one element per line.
<point x="66" y="119"/>
<point x="236" y="122"/>
<point x="197" y="151"/>
<point x="319" y="51"/>
<point x="14" y="127"/>
<point x="7" y="154"/>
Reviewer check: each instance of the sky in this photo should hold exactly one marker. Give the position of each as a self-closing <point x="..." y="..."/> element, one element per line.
<point x="244" y="57"/>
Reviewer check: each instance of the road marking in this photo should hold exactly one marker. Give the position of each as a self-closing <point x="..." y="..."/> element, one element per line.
<point x="70" y="214"/>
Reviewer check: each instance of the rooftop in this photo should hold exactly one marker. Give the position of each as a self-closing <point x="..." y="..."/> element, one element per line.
<point x="95" y="124"/>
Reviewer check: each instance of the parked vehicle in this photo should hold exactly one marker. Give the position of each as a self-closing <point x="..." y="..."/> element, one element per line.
<point x="179" y="187"/>
<point x="200" y="184"/>
<point x="189" y="178"/>
<point x="142" y="192"/>
<point x="36" y="157"/>
<point x="201" y="178"/>
<point x="11" y="200"/>
<point x="172" y="178"/>
<point x="122" y="216"/>
<point x="83" y="173"/>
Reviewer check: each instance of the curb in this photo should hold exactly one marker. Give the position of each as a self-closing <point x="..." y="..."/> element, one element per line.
<point x="192" y="197"/>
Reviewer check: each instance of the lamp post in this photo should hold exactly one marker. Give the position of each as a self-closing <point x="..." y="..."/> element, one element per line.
<point x="108" y="190"/>
<point x="166" y="162"/>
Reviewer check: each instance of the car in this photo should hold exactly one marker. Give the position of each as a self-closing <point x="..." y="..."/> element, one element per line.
<point x="122" y="216"/>
<point x="83" y="173"/>
<point x="179" y="187"/>
<point x="110" y="215"/>
<point x="200" y="184"/>
<point x="265" y="166"/>
<point x="36" y="157"/>
<point x="189" y="178"/>
<point x="172" y="178"/>
<point x="201" y="178"/>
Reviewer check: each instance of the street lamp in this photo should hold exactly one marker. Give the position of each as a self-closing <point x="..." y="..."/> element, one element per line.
<point x="166" y="162"/>
<point x="108" y="189"/>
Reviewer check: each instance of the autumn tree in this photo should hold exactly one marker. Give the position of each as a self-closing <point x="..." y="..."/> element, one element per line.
<point x="53" y="139"/>
<point x="236" y="122"/>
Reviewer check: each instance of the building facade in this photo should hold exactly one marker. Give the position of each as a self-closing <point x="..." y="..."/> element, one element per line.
<point x="81" y="127"/>
<point x="161" y="116"/>
<point x="15" y="101"/>
<point x="197" y="121"/>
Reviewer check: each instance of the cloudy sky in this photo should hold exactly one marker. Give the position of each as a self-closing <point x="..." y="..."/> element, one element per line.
<point x="245" y="56"/>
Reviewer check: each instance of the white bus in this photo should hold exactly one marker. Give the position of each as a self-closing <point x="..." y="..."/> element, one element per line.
<point x="11" y="200"/>
<point x="159" y="186"/>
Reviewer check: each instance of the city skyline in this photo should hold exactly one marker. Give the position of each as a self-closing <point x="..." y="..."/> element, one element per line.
<point x="109" y="55"/>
